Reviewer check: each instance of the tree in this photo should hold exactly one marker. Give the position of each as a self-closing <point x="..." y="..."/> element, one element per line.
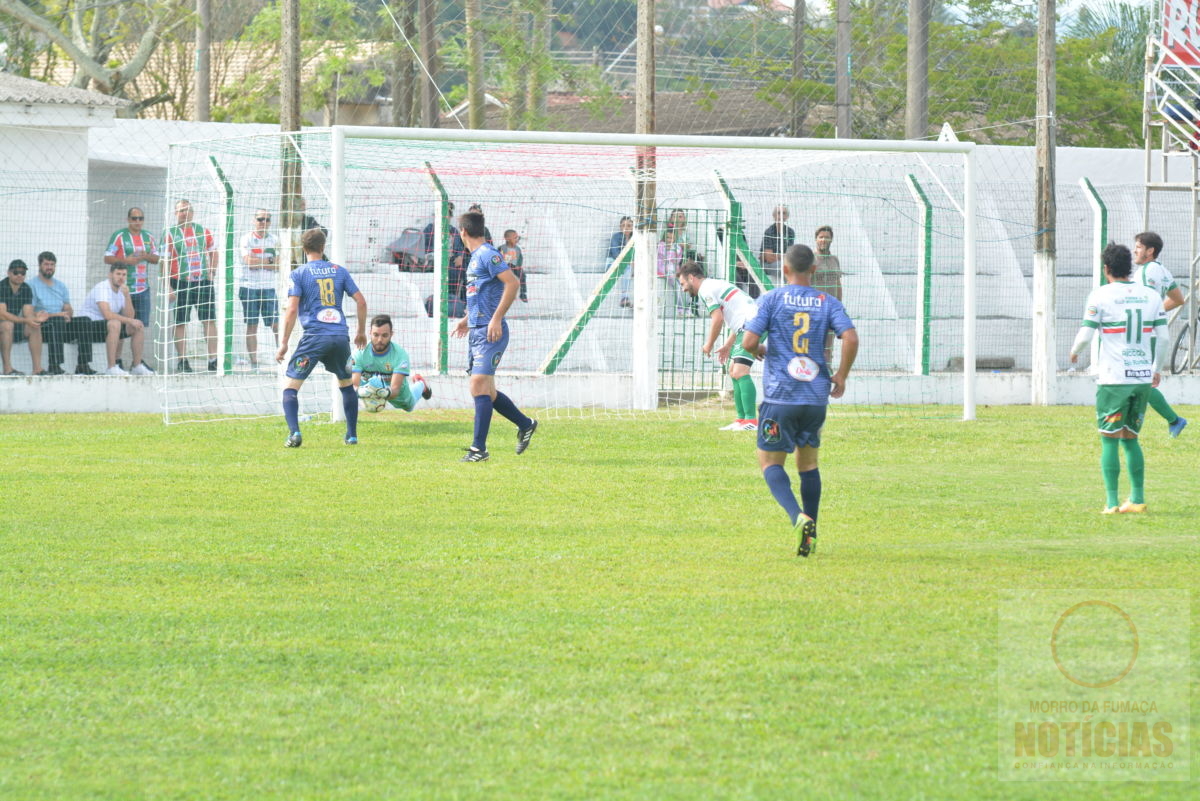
<point x="110" y="43"/>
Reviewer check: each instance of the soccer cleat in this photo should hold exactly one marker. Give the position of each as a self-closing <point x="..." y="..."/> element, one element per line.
<point x="212" y="365"/>
<point x="750" y="425"/>
<point x="351" y="440"/>
<point x="115" y="370"/>
<point x="1111" y="510"/>
<point x="141" y="369"/>
<point x="294" y="440"/>
<point x="736" y="425"/>
<point x="84" y="369"/>
<point x="1131" y="508"/>
<point x="1176" y="428"/>
<point x="806" y="532"/>
<point x="183" y="366"/>
<point x="524" y="435"/>
<point x="427" y="393"/>
<point x="475" y="455"/>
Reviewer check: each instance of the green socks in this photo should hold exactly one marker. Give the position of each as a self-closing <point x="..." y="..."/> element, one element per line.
<point x="745" y="398"/>
<point x="1110" y="468"/>
<point x="1159" y="404"/>
<point x="1136" y="464"/>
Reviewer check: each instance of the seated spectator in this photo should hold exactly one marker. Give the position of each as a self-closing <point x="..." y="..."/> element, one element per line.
<point x="52" y="308"/>
<point x="107" y="316"/>
<point x="617" y="243"/>
<point x="511" y="251"/>
<point x="17" y="321"/>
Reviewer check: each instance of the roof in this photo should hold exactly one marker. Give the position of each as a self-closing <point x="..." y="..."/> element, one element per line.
<point x="15" y="89"/>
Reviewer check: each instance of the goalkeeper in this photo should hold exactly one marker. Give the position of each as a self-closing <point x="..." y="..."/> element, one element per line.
<point x="383" y="363"/>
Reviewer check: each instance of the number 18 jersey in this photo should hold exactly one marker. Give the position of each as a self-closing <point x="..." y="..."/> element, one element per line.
<point x="795" y="320"/>
<point x="1130" y="318"/>
<point x="320" y="286"/>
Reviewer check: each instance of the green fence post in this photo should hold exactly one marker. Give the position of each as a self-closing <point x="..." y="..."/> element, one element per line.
<point x="229" y="278"/>
<point x="924" y="275"/>
<point x="441" y="258"/>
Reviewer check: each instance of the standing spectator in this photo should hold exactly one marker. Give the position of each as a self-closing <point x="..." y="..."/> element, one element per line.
<point x="307" y="221"/>
<point x="827" y="276"/>
<point x="259" y="252"/>
<point x="136" y="249"/>
<point x="515" y="259"/>
<point x="17" y="322"/>
<point x="52" y="308"/>
<point x="778" y="237"/>
<point x="617" y="243"/>
<point x="456" y="274"/>
<point x="107" y="316"/>
<point x="677" y="225"/>
<point x="191" y="263"/>
<point x="487" y="234"/>
<point x="670" y="256"/>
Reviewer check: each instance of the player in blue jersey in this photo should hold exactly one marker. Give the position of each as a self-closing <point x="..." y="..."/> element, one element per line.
<point x="316" y="297"/>
<point x="797" y="384"/>
<point x="491" y="289"/>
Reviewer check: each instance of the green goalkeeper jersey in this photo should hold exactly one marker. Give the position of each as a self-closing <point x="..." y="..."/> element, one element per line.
<point x="393" y="360"/>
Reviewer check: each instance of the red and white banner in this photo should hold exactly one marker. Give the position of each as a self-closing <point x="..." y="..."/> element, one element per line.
<point x="1181" y="31"/>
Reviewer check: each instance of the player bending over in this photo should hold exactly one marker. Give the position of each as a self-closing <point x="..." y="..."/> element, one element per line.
<point x="491" y="289"/>
<point x="1129" y="317"/>
<point x="797" y="384"/>
<point x="1146" y="249"/>
<point x="386" y="364"/>
<point x="727" y="306"/>
<point x="316" y="297"/>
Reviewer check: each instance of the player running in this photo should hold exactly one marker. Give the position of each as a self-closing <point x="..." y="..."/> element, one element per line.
<point x="491" y="289"/>
<point x="1146" y="249"/>
<point x="1129" y="317"/>
<point x="384" y="363"/>
<point x="727" y="306"/>
<point x="797" y="384"/>
<point x="316" y="296"/>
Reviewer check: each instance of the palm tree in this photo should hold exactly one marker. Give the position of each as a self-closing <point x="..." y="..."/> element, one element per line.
<point x="1128" y="23"/>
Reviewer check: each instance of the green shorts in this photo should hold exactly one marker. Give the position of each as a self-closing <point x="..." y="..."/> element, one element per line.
<point x="1121" y="406"/>
<point x="738" y="352"/>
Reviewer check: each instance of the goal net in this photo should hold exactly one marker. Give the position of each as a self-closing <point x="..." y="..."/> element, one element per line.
<point x="600" y="325"/>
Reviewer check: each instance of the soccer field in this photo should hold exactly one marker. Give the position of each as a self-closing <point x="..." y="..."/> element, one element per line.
<point x="196" y="612"/>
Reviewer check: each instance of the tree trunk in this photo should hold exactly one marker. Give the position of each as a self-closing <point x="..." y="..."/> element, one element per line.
<point x="476" y="110"/>
<point x="429" y="93"/>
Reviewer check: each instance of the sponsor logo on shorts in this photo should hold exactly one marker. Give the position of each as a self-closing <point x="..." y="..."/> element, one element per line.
<point x="496" y="359"/>
<point x="1115" y="417"/>
<point x="770" y="431"/>
<point x="301" y="363"/>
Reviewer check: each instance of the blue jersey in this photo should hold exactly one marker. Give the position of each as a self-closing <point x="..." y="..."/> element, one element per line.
<point x="483" y="287"/>
<point x="795" y="320"/>
<point x="320" y="286"/>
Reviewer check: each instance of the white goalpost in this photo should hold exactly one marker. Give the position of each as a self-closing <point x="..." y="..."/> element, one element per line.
<point x="604" y="329"/>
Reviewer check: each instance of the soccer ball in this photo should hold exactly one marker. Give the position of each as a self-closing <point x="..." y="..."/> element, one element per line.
<point x="375" y="403"/>
<point x="374" y="394"/>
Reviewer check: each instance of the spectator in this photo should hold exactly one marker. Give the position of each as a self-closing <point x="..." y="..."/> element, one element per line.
<point x="52" y="308"/>
<point x="259" y="252"/>
<point x="778" y="237"/>
<point x="670" y="256"/>
<point x="307" y="221"/>
<point x="616" y="244"/>
<point x="456" y="277"/>
<point x="429" y="232"/>
<point x="475" y="207"/>
<point x="827" y="276"/>
<point x="515" y="259"/>
<point x="191" y="263"/>
<point x="135" y="248"/>
<point x="17" y="322"/>
<point x="107" y="316"/>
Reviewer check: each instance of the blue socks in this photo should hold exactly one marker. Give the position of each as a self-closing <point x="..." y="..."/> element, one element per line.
<point x="291" y="410"/>
<point x="350" y="407"/>
<point x="507" y="409"/>
<point x="810" y="492"/>
<point x="483" y="421"/>
<point x="781" y="487"/>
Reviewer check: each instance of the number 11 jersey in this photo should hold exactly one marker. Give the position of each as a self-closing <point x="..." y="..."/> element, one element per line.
<point x="1130" y="318"/>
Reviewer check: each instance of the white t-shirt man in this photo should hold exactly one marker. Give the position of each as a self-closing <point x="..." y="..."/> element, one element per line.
<point x="264" y="246"/>
<point x="103" y="292"/>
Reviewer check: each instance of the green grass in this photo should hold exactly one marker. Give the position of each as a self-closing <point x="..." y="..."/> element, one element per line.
<point x="196" y="612"/>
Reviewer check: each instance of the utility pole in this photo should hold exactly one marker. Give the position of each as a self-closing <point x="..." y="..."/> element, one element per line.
<point x="916" y="113"/>
<point x="644" y="113"/>
<point x="475" y="107"/>
<point x="644" y="337"/>
<point x="429" y="96"/>
<point x="799" y="109"/>
<point x="535" y="87"/>
<point x="402" y="80"/>
<point x="289" y="120"/>
<point x="842" y="79"/>
<point x="203" y="86"/>
<point x="1045" y="359"/>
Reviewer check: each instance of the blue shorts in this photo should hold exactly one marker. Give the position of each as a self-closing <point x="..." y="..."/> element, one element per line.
<point x="785" y="427"/>
<point x="258" y="304"/>
<point x="333" y="352"/>
<point x="141" y="307"/>
<point x="485" y="356"/>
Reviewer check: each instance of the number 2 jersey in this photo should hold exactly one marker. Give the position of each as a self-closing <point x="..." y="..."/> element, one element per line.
<point x="795" y="320"/>
<point x="1129" y="317"/>
<point x="321" y="286"/>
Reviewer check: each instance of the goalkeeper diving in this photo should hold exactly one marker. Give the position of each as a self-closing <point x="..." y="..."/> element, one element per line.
<point x="384" y="366"/>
